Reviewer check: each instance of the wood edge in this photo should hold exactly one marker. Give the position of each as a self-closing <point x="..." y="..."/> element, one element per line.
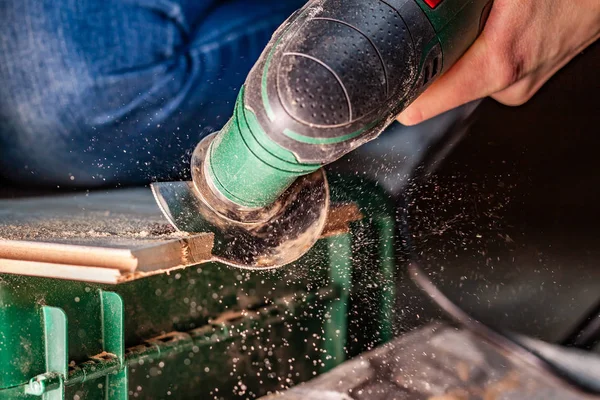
<point x="68" y="254"/>
<point x="60" y="271"/>
<point x="339" y="218"/>
<point x="181" y="252"/>
<point x="132" y="276"/>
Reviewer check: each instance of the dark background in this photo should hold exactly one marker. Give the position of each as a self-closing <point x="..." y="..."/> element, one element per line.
<point x="509" y="224"/>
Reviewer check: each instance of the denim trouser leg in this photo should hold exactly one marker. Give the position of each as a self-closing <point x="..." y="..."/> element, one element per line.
<point x="105" y="92"/>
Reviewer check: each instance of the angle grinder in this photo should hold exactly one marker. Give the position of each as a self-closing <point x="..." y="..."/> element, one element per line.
<point x="332" y="78"/>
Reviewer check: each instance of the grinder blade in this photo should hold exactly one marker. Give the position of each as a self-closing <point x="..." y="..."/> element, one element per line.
<point x="285" y="235"/>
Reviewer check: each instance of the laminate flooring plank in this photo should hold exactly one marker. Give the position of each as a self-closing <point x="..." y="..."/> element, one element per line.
<point x="72" y="236"/>
<point x="80" y="235"/>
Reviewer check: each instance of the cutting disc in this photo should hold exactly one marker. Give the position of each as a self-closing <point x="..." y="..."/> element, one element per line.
<point x="250" y="239"/>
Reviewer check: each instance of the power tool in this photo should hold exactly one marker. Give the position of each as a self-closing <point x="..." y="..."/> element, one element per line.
<point x="333" y="76"/>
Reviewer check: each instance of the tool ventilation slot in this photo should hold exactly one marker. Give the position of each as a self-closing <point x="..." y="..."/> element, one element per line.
<point x="431" y="70"/>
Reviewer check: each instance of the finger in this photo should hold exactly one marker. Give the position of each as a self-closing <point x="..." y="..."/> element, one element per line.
<point x="471" y="78"/>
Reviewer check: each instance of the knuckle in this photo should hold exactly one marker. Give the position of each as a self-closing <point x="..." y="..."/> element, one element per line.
<point x="507" y="65"/>
<point x="506" y="60"/>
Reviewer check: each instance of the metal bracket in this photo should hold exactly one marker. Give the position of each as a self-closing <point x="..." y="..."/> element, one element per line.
<point x="50" y="385"/>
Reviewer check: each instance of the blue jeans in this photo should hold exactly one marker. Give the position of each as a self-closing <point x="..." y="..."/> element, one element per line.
<point x="118" y="92"/>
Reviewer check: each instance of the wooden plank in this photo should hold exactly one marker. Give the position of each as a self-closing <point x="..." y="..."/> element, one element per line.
<point x="107" y="236"/>
<point x="85" y="235"/>
<point x="159" y="255"/>
<point x="123" y="218"/>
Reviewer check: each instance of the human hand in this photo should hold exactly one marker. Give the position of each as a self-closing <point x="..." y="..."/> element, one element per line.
<point x="522" y="45"/>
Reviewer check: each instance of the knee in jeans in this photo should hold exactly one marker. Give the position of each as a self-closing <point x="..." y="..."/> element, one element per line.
<point x="40" y="126"/>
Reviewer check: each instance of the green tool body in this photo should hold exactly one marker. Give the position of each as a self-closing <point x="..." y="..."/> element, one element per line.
<point x="333" y="77"/>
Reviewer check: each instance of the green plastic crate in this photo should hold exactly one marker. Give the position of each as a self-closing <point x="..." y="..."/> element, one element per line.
<point x="207" y="331"/>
